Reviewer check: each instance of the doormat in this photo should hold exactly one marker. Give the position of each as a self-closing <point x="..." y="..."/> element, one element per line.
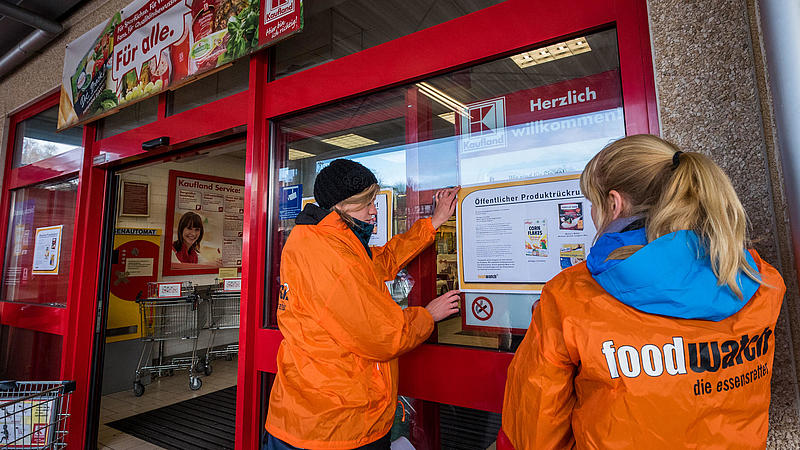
<point x="205" y="422"/>
<point x="467" y="429"/>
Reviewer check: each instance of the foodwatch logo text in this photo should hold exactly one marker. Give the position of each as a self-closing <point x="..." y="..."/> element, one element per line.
<point x="630" y="361"/>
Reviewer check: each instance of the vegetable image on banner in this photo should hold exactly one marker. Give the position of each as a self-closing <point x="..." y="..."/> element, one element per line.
<point x="151" y="45"/>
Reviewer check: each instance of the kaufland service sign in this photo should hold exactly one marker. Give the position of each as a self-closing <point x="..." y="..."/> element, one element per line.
<point x="151" y="45"/>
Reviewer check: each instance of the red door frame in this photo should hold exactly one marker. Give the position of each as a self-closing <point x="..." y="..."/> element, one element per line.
<point x="427" y="372"/>
<point x="44" y="319"/>
<point x="189" y="128"/>
<point x="75" y="323"/>
<point x="48" y="319"/>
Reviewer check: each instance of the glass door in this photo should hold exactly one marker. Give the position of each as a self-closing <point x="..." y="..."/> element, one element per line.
<point x="167" y="344"/>
<point x="538" y="114"/>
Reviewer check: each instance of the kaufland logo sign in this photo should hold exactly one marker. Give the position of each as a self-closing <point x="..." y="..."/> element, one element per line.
<point x="275" y="9"/>
<point x="484" y="125"/>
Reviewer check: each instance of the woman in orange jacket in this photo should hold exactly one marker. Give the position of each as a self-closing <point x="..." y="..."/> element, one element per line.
<point x="665" y="337"/>
<point x="336" y="384"/>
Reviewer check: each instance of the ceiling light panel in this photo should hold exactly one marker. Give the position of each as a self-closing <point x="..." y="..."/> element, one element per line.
<point x="551" y="52"/>
<point x="578" y="46"/>
<point x="349" y="141"/>
<point x="298" y="154"/>
<point x="449" y="116"/>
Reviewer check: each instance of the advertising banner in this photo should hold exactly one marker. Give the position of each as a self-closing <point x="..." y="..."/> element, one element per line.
<point x="516" y="236"/>
<point x="153" y="44"/>
<point x="134" y="264"/>
<point x="205" y="223"/>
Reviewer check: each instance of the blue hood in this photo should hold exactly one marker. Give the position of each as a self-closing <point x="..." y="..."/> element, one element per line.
<point x="670" y="276"/>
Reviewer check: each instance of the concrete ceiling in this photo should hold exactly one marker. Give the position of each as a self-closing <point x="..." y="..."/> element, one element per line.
<point x="37" y="16"/>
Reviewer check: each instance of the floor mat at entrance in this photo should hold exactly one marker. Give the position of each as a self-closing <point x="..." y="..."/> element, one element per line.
<point x="205" y="422"/>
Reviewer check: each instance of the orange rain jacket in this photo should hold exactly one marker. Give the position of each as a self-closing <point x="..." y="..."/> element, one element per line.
<point x="336" y="385"/>
<point x="594" y="372"/>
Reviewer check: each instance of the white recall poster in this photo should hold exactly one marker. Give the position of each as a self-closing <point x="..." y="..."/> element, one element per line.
<point x="518" y="235"/>
<point x="47" y="250"/>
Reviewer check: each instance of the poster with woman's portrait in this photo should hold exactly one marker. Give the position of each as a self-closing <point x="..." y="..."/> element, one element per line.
<point x="205" y="221"/>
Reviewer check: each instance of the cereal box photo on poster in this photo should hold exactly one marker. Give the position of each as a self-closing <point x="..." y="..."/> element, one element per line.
<point x="536" y="238"/>
<point x="570" y="216"/>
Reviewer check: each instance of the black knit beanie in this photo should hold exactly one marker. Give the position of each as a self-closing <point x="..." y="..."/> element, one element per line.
<point x="340" y="180"/>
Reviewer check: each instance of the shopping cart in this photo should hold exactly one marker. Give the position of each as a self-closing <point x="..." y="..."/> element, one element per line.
<point x="223" y="314"/>
<point x="33" y="414"/>
<point x="161" y="320"/>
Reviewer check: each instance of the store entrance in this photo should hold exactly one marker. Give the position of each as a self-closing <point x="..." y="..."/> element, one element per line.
<point x="167" y="346"/>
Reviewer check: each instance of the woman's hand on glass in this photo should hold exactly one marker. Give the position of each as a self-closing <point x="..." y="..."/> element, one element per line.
<point x="445" y="205"/>
<point x="445" y="305"/>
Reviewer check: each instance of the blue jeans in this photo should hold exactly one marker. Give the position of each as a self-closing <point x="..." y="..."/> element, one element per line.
<point x="270" y="442"/>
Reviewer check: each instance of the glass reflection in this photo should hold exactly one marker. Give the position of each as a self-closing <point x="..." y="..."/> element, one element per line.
<point x="38" y="250"/>
<point x="36" y="138"/>
<point x="539" y="113"/>
<point x="337" y="28"/>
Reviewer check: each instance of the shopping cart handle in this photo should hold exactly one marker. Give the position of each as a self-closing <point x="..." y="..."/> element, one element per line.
<point x="69" y="386"/>
<point x="188" y="298"/>
<point x="8" y="385"/>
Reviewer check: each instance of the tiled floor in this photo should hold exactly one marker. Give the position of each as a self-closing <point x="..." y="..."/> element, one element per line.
<point x="161" y="392"/>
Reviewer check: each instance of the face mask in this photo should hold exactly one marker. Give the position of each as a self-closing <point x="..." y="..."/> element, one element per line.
<point x="363" y="231"/>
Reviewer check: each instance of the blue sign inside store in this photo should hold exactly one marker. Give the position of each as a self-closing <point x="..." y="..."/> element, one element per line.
<point x="291" y="201"/>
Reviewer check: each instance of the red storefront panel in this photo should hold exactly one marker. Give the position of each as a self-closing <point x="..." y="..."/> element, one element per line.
<point x="434" y="372"/>
<point x="443" y="373"/>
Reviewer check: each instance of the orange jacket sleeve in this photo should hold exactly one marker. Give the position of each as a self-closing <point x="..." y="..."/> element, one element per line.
<point x="539" y="394"/>
<point x="338" y="290"/>
<point x="365" y="320"/>
<point x="393" y="256"/>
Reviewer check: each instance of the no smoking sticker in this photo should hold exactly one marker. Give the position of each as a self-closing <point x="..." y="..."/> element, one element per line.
<point x="482" y="308"/>
<point x="498" y="311"/>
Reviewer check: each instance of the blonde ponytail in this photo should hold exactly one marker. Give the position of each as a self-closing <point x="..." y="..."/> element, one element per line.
<point x="673" y="192"/>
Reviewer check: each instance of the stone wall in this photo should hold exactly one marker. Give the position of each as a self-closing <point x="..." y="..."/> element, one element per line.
<point x="713" y="98"/>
